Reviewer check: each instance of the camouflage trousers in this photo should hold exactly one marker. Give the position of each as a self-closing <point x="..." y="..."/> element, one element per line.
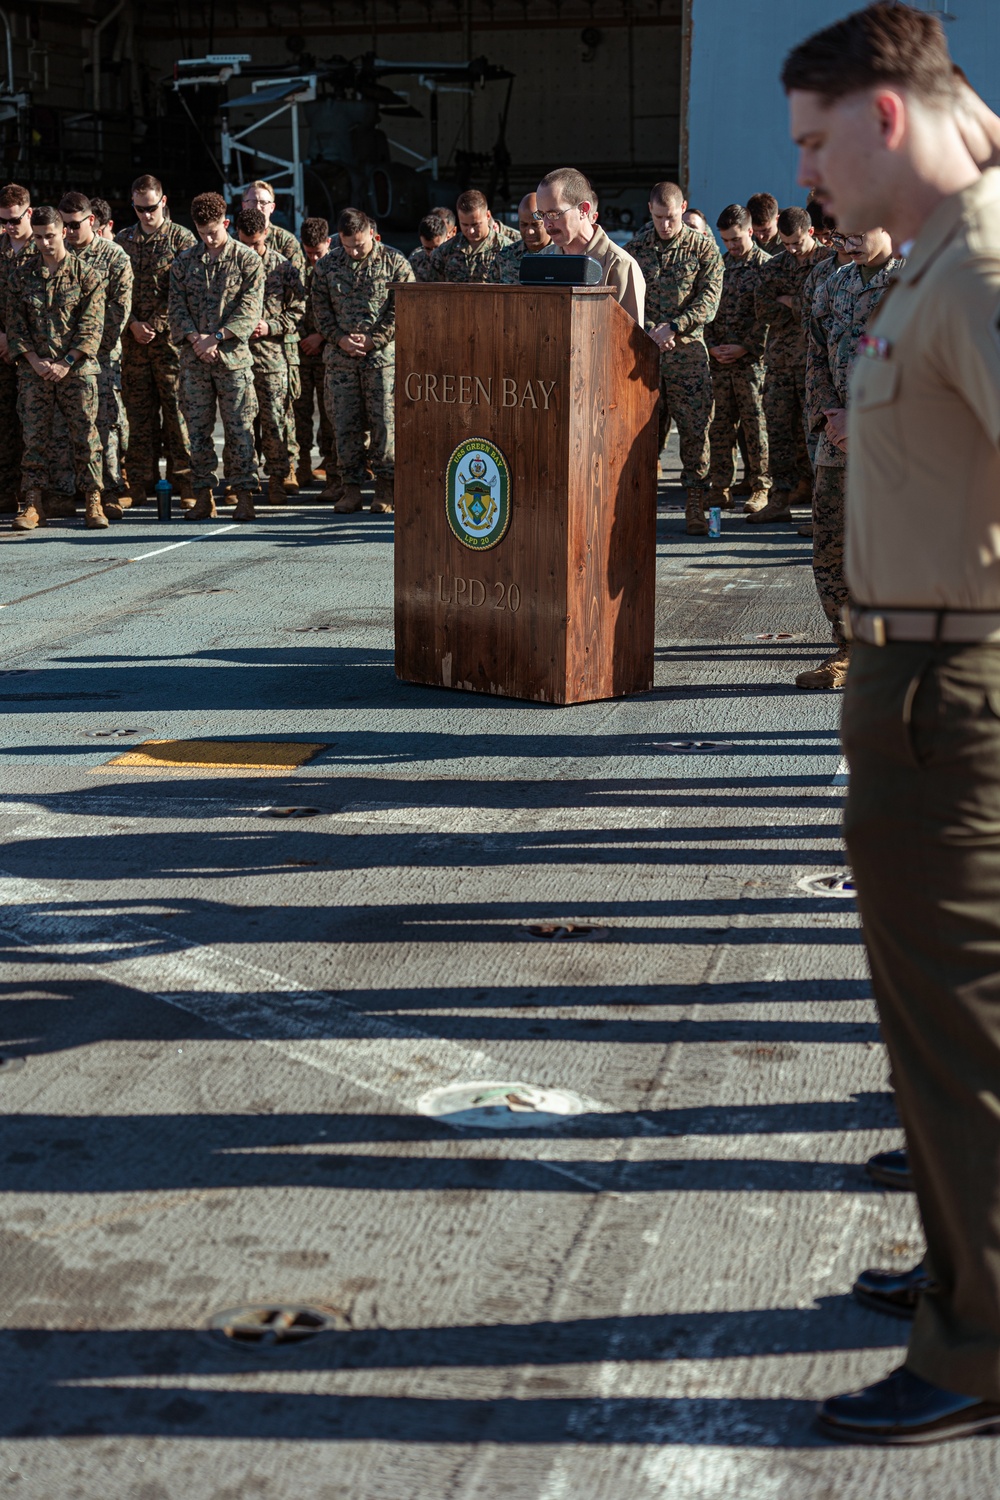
<point x="11" y="447"/>
<point x="686" y="398"/>
<point x="739" y="412"/>
<point x="38" y="401"/>
<point x="784" y="398"/>
<point x="203" y="388"/>
<point x="359" y="398"/>
<point x="828" y="544"/>
<point x="292" y="439"/>
<point x="150" y="388"/>
<point x="112" y="429"/>
<point x="311" y="395"/>
<point x="271" y="390"/>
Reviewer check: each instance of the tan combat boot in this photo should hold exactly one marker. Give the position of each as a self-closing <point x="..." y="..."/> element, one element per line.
<point x="112" y="508"/>
<point x="385" y="501"/>
<point x="802" y="493"/>
<point x="831" y="673"/>
<point x="694" y="514"/>
<point x="31" y="512"/>
<point x="184" y="485"/>
<point x="719" y="496"/>
<point x="228" y="496"/>
<point x="276" y="494"/>
<point x="756" y="501"/>
<point x="776" y="509"/>
<point x="291" y="484"/>
<point x="244" y="505"/>
<point x="203" y="508"/>
<point x="350" y="501"/>
<point x="95" y="519"/>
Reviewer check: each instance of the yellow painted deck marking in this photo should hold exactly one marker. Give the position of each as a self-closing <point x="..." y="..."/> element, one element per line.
<point x="230" y="755"/>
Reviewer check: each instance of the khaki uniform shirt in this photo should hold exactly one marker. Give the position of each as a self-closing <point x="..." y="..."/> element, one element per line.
<point x="621" y="271"/>
<point x="923" y="424"/>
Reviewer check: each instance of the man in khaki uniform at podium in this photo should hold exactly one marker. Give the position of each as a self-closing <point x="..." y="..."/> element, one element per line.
<point x="566" y="204"/>
<point x="886" y="138"/>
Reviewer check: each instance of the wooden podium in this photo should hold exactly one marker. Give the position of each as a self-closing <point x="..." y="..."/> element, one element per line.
<point x="526" y="465"/>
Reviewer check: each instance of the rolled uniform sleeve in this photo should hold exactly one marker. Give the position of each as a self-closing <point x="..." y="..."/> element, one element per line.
<point x="384" y="331"/>
<point x="18" y="340"/>
<point x="324" y="314"/>
<point x="245" y="310"/>
<point x="119" y="300"/>
<point x="182" y="321"/>
<point x="703" y="303"/>
<point x="287" y="318"/>
<point x="821" y="393"/>
<point x="90" y="314"/>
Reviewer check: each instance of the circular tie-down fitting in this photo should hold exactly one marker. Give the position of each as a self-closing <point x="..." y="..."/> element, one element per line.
<point x="275" y="1326"/>
<point x="562" y="932"/>
<point x="291" y="812"/>
<point x="837" y="883"/>
<point x="500" y="1106"/>
<point x="11" y="1064"/>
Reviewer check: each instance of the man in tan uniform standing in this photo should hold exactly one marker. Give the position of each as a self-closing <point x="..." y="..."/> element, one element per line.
<point x="566" y="206"/>
<point x="878" y="116"/>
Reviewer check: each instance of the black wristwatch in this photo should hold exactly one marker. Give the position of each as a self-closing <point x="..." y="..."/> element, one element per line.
<point x="673" y="328"/>
<point x="70" y="359"/>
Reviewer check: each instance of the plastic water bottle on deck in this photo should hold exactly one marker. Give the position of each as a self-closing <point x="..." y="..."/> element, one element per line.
<point x="164" y="491"/>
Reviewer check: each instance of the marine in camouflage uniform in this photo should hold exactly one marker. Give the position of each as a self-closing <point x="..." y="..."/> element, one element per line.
<point x="311" y="395"/>
<point x="739" y="387"/>
<point x="830" y="265"/>
<point x="420" y="261"/>
<point x="11" y="444"/>
<point x="206" y="296"/>
<point x="51" y="312"/>
<point x="151" y="372"/>
<point x="287" y="245"/>
<point x="284" y="304"/>
<point x="457" y="260"/>
<point x="842" y="308"/>
<point x="115" y="269"/>
<point x="356" y="296"/>
<point x="684" y="277"/>
<point x="784" y="383"/>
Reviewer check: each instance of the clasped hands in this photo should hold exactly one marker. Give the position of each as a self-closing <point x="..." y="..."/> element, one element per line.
<point x="356" y="344"/>
<point x="48" y="369"/>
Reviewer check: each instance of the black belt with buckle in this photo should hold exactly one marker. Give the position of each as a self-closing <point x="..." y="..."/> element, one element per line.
<point x="957" y="627"/>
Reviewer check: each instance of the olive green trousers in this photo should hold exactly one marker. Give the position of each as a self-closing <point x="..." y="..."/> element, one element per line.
<point x="921" y="731"/>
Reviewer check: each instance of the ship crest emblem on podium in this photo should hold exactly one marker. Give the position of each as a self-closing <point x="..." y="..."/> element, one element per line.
<point x="477" y="497"/>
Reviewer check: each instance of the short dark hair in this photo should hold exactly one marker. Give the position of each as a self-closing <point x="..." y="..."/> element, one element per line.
<point x="354" y="221"/>
<point x="885" y="44"/>
<point x="102" y="211"/>
<point x="44" y="215"/>
<point x="735" y="216"/>
<point x="793" y="220"/>
<point x="314" y="232"/>
<point x="471" y="202"/>
<point x="666" y="192"/>
<point x="762" y="207"/>
<point x="432" y="227"/>
<point x="147" y="184"/>
<point x="816" y="215"/>
<point x="250" y="221"/>
<point x="572" y="184"/>
<point x="13" y="195"/>
<point x="75" y="203"/>
<point x="208" y="208"/>
<point x="447" y="215"/>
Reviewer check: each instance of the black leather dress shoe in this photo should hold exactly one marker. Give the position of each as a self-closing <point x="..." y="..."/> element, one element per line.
<point x="892" y="1292"/>
<point x="905" y="1409"/>
<point x="890" y="1169"/>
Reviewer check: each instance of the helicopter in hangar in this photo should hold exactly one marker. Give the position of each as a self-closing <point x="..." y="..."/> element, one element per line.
<point x="348" y="157"/>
